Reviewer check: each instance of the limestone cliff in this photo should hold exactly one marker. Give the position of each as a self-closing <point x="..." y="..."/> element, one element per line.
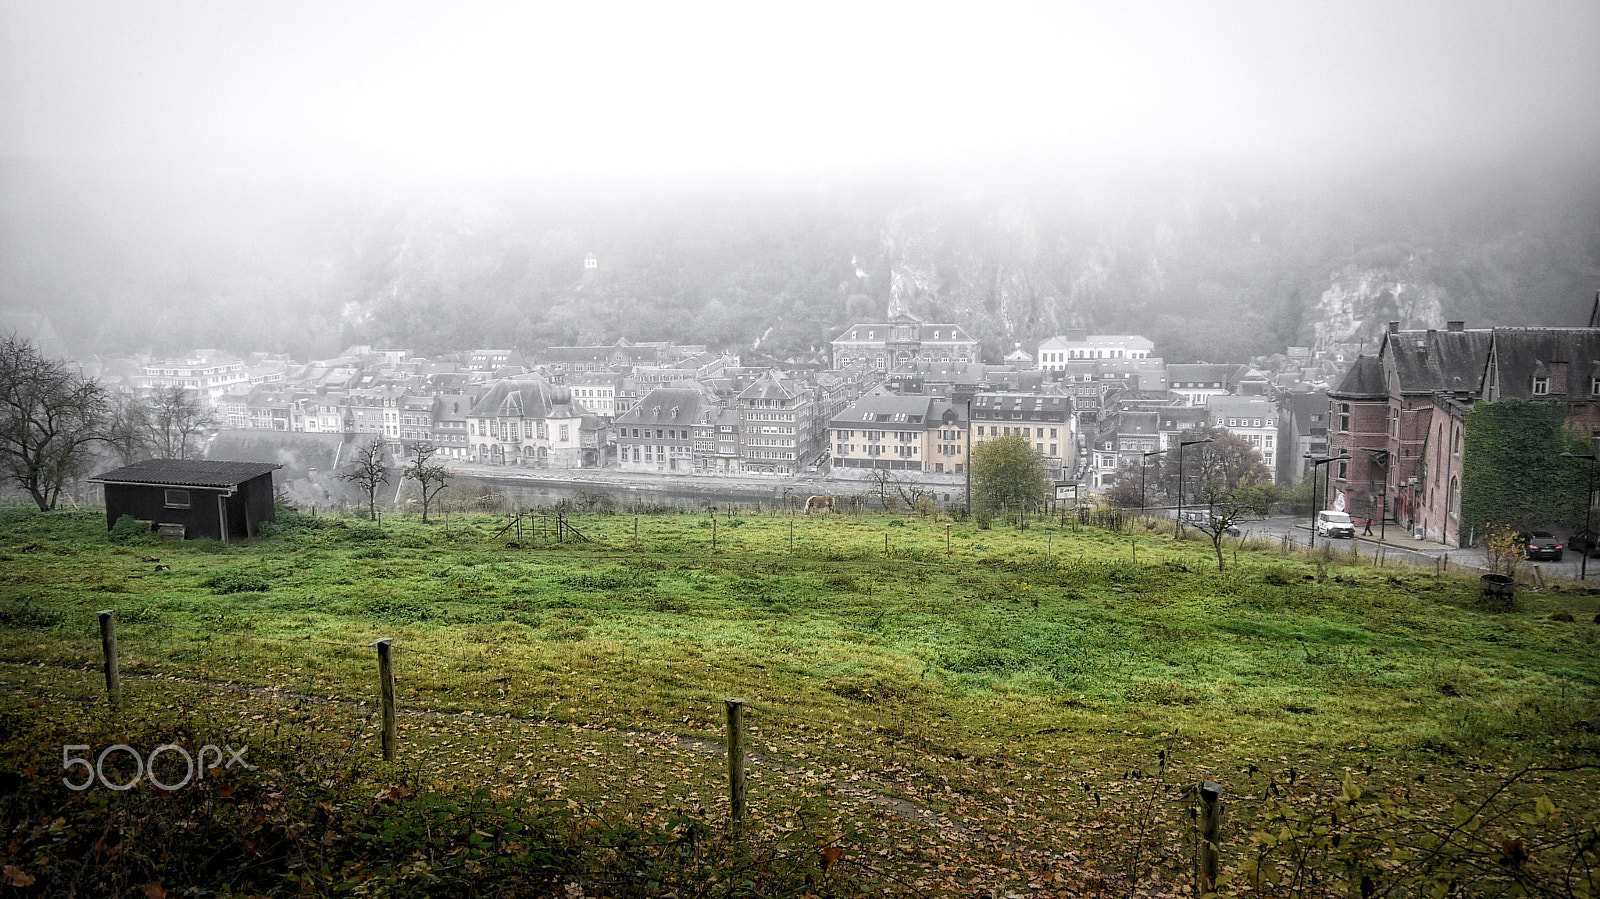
<point x="1359" y="303"/>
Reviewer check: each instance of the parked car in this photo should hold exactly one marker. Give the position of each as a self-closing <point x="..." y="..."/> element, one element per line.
<point x="1200" y="518"/>
<point x="1335" y="524"/>
<point x="1584" y="541"/>
<point x="1540" y="545"/>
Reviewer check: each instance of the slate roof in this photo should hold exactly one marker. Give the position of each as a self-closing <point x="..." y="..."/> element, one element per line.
<point x="1025" y="407"/>
<point x="924" y="332"/>
<point x="666" y="406"/>
<point x="1138" y="424"/>
<point x="530" y="398"/>
<point x="1364" y="381"/>
<point x="771" y="385"/>
<point x="881" y="408"/>
<point x="1521" y="354"/>
<point x="1222" y="374"/>
<point x="187" y="473"/>
<point x="1303" y="406"/>
<point x="1425" y="361"/>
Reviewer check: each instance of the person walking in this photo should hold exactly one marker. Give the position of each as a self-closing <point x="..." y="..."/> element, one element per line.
<point x="1368" y="531"/>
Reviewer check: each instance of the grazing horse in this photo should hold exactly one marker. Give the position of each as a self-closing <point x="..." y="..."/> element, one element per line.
<point x="822" y="502"/>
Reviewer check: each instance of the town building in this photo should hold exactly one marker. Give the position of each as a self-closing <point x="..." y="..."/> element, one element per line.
<point x="658" y="433"/>
<point x="597" y="391"/>
<point x="1305" y="434"/>
<point x="1381" y="414"/>
<point x="1046" y="420"/>
<point x="1253" y="419"/>
<point x="780" y="429"/>
<point x="902" y="340"/>
<point x="1055" y="352"/>
<point x="530" y="422"/>
<point x="902" y="433"/>
<point x="209" y="373"/>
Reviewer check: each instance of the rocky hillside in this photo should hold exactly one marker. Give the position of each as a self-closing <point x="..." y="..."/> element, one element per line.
<point x="1209" y="267"/>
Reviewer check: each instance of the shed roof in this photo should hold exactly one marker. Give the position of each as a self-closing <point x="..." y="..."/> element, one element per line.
<point x="187" y="473"/>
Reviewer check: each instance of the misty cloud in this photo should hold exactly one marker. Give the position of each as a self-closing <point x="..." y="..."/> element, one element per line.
<point x="489" y="91"/>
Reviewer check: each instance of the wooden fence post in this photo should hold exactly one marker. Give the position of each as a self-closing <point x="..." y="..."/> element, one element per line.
<point x="386" y="693"/>
<point x="947" y="540"/>
<point x="886" y="544"/>
<point x="108" y="646"/>
<point x="713" y="532"/>
<point x="791" y="535"/>
<point x="735" y="759"/>
<point x="635" y="533"/>
<point x="1210" y="824"/>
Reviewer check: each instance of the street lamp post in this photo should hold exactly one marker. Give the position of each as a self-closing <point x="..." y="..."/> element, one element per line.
<point x="1181" y="445"/>
<point x="1588" y="502"/>
<point x="1144" y="465"/>
<point x="1316" y="499"/>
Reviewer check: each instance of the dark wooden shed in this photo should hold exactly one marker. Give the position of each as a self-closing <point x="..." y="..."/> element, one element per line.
<point x="225" y="501"/>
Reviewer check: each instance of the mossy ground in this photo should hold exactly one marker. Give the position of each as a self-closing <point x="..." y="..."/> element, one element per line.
<point x="1053" y="690"/>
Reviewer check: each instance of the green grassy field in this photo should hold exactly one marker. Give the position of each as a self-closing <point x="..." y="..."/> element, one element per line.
<point x="1035" y="704"/>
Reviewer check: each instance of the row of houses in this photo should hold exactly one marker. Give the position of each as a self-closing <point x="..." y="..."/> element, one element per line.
<point x="899" y="394"/>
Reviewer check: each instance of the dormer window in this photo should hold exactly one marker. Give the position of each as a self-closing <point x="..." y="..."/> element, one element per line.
<point x="1541" y="386"/>
<point x="1594" y="386"/>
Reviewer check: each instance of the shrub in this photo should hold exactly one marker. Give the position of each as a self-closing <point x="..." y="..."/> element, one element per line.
<point x="29" y="616"/>
<point x="128" y="529"/>
<point x="366" y="532"/>
<point x="400" y="610"/>
<point x="1278" y="576"/>
<point x="239" y="582"/>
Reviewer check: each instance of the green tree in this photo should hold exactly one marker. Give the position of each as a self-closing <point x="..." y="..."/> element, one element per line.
<point x="50" y="419"/>
<point x="1008" y="474"/>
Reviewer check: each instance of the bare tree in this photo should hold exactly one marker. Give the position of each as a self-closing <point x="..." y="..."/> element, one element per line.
<point x="368" y="473"/>
<point x="127" y="428"/>
<point x="429" y="475"/>
<point x="911" y="493"/>
<point x="177" y="417"/>
<point x="50" y="418"/>
<point x="880" y="484"/>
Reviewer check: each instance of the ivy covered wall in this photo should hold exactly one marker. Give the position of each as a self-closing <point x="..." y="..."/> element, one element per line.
<point x="1513" y="473"/>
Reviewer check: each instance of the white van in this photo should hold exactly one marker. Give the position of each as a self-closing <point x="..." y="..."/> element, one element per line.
<point x="1335" y="524"/>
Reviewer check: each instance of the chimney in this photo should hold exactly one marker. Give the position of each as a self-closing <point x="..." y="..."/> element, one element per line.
<point x="1394" y="327"/>
<point x="1455" y="326"/>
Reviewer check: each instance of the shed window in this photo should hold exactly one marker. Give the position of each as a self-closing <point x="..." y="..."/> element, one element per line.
<point x="177" y="499"/>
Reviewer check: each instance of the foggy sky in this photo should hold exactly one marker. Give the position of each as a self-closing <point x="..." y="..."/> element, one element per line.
<point x="543" y="90"/>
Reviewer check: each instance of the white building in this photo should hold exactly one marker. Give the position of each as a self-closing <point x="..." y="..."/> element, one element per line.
<point x="208" y="373"/>
<point x="1055" y="352"/>
<point x="597" y="391"/>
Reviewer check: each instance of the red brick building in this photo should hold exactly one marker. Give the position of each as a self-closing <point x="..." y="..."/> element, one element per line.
<point x="1381" y="412"/>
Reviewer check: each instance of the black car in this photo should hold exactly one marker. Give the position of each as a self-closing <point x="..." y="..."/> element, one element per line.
<point x="1584" y="541"/>
<point x="1542" y="545"/>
